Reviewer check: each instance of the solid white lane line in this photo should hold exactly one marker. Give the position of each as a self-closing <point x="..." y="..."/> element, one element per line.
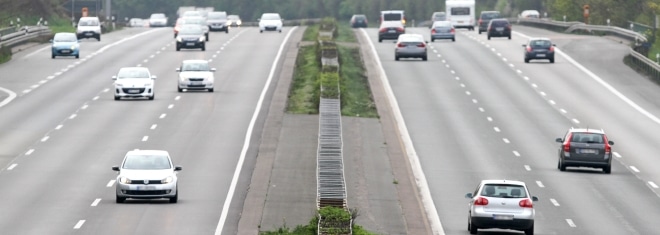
<point x="153" y="126"/>
<point x="112" y="182"/>
<point x="633" y="168"/>
<point x="617" y="155"/>
<point x="145" y="138"/>
<point x="29" y="152"/>
<point x="58" y="127"/>
<point x="44" y="139"/>
<point x="653" y="185"/>
<point x="12" y="167"/>
<point x="570" y="223"/>
<point x="528" y="168"/>
<point x="79" y="224"/>
<point x="96" y="202"/>
<point x="162" y="116"/>
<point x="516" y="153"/>
<point x="554" y="202"/>
<point x="540" y="184"/>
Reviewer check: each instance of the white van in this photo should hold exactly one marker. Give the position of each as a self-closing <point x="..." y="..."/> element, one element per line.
<point x="89" y="27"/>
<point x="461" y="13"/>
<point x="393" y="15"/>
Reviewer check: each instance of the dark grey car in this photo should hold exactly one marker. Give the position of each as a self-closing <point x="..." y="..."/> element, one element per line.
<point x="443" y="30"/>
<point x="539" y="49"/>
<point x="217" y="21"/>
<point x="499" y="28"/>
<point x="485" y="18"/>
<point x="587" y="148"/>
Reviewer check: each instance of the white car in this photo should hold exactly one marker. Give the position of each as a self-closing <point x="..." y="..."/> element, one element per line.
<point x="89" y="27"/>
<point x="270" y="22"/>
<point x="502" y="204"/>
<point x="158" y="20"/>
<point x="195" y="75"/>
<point x="147" y="174"/>
<point x="134" y="82"/>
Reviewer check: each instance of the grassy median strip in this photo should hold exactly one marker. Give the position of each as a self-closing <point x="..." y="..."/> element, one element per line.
<point x="304" y="93"/>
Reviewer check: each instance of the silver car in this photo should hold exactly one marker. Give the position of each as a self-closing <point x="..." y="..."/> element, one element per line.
<point x="502" y="204"/>
<point x="195" y="75"/>
<point x="147" y="174"/>
<point x="410" y="46"/>
<point x="443" y="30"/>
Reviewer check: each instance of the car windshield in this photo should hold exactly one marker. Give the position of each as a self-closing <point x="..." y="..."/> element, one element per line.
<point x="499" y="23"/>
<point x="443" y="24"/>
<point x="133" y="73"/>
<point x="270" y="17"/>
<point x="233" y="17"/>
<point x="147" y="162"/>
<point x="504" y="191"/>
<point x="591" y="138"/>
<point x="216" y="16"/>
<point x="391" y="16"/>
<point x="88" y="23"/>
<point x="490" y="15"/>
<point x="65" y="37"/>
<point x="194" y="21"/>
<point x="192" y="13"/>
<point x="191" y="31"/>
<point x="195" y="66"/>
<point x="158" y="16"/>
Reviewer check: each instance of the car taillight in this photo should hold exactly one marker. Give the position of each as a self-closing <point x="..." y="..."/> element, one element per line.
<point x="421" y="45"/>
<point x="433" y="31"/>
<point x="608" y="149"/>
<point x="383" y="30"/>
<point x="508" y="27"/>
<point x="552" y="49"/>
<point x="400" y="30"/>
<point x="481" y="201"/>
<point x="526" y="203"/>
<point x="567" y="143"/>
<point x="452" y="30"/>
<point x="480" y="21"/>
<point x="400" y="45"/>
<point x="529" y="49"/>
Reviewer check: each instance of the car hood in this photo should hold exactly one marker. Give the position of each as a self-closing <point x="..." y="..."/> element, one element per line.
<point x="195" y="74"/>
<point x="64" y="44"/>
<point x="270" y="22"/>
<point x="130" y="82"/>
<point x="146" y="174"/>
<point x="216" y="21"/>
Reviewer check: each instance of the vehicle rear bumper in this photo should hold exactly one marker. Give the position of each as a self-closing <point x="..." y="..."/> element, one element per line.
<point x="489" y="222"/>
<point x="594" y="164"/>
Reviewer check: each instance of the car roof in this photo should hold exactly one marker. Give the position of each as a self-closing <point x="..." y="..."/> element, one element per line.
<point x="196" y="61"/>
<point x="503" y="181"/>
<point x="443" y="22"/>
<point x="590" y="130"/>
<point x="407" y="36"/>
<point x="147" y="152"/>
<point x="535" y="39"/>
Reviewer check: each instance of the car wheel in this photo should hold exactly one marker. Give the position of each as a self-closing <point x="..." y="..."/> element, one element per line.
<point x="98" y="38"/>
<point x="530" y="230"/>
<point x="117" y="97"/>
<point x="607" y="169"/>
<point x="380" y="40"/>
<point x="509" y="37"/>
<point x="78" y="56"/>
<point x="473" y="229"/>
<point x="453" y="39"/>
<point x="552" y="60"/>
<point x="488" y="37"/>
<point x="226" y="30"/>
<point x="396" y="58"/>
<point x="526" y="60"/>
<point x="432" y="40"/>
<point x="261" y="31"/>
<point x="120" y="199"/>
<point x="203" y="48"/>
<point x="52" y="56"/>
<point x="562" y="166"/>
<point x="179" y="89"/>
<point x="175" y="198"/>
<point x="211" y="90"/>
<point x="207" y="37"/>
<point x="479" y="31"/>
<point x="425" y="58"/>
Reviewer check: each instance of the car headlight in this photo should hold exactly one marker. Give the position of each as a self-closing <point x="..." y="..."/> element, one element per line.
<point x="238" y="22"/>
<point x="167" y="180"/>
<point x="201" y="39"/>
<point x="178" y="39"/>
<point x="124" y="180"/>
<point x="73" y="47"/>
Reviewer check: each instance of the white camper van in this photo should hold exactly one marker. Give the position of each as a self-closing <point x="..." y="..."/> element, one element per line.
<point x="461" y="13"/>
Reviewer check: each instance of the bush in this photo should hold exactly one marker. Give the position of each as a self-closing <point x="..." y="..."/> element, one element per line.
<point x="5" y="54"/>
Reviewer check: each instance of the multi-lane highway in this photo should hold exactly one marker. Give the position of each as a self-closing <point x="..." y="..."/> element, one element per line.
<point x="473" y="111"/>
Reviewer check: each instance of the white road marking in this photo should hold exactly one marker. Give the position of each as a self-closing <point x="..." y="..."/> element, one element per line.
<point x="534" y="85"/>
<point x="563" y="111"/>
<point x="653" y="185"/>
<point x="482" y="109"/>
<point x="12" y="167"/>
<point x="506" y="140"/>
<point x="37" y="51"/>
<point x="540" y="184"/>
<point x="34" y="86"/>
<point x="457" y="78"/>
<point x="50" y="77"/>
<point x="145" y="138"/>
<point x="178" y="97"/>
<point x="12" y="95"/>
<point x="170" y="106"/>
<point x="542" y="93"/>
<point x="462" y="85"/>
<point x="112" y="182"/>
<point x="29" y="152"/>
<point x="554" y="202"/>
<point x="518" y="71"/>
<point x="153" y="127"/>
<point x="73" y="116"/>
<point x="570" y="223"/>
<point x="633" y="168"/>
<point x="44" y="139"/>
<point x="528" y="168"/>
<point x="26" y="91"/>
<point x="510" y="65"/>
<point x="106" y="89"/>
<point x="96" y="202"/>
<point x="497" y="129"/>
<point x="526" y="78"/>
<point x="516" y="153"/>
<point x="58" y="127"/>
<point x="95" y="98"/>
<point x="84" y="106"/>
<point x="468" y="93"/>
<point x="452" y="72"/>
<point x="79" y="224"/>
<point x="43" y="81"/>
<point x="576" y="121"/>
<point x="552" y="102"/>
<point x="162" y="116"/>
<point x="617" y="155"/>
<point x="475" y="101"/>
<point x="490" y="119"/>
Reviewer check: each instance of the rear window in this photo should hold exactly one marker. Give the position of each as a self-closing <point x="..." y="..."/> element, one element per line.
<point x="540" y="44"/>
<point x="444" y="24"/>
<point x="504" y="191"/>
<point x="591" y="138"/>
<point x="460" y="11"/>
<point x="391" y="16"/>
<point x="499" y="23"/>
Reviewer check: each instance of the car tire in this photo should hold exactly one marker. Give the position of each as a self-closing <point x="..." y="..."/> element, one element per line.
<point x="175" y="198"/>
<point x="425" y="58"/>
<point x="52" y="56"/>
<point x="607" y="169"/>
<point x="261" y="31"/>
<point x="120" y="199"/>
<point x="152" y="96"/>
<point x="396" y="58"/>
<point x="226" y="30"/>
<point x="552" y="60"/>
<point x="179" y="89"/>
<point x="509" y="37"/>
<point x="98" y="38"/>
<point x="117" y="97"/>
<point x="561" y="166"/>
<point x="453" y="39"/>
<point x="530" y="230"/>
<point x="526" y="60"/>
<point x="473" y="229"/>
<point x="432" y="40"/>
<point x="380" y="40"/>
<point x="488" y="37"/>
<point x="78" y="56"/>
<point x="211" y="90"/>
<point x="207" y="37"/>
<point x="479" y="31"/>
<point x="203" y="48"/>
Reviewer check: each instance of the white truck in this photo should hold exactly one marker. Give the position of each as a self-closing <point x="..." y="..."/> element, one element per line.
<point x="461" y="13"/>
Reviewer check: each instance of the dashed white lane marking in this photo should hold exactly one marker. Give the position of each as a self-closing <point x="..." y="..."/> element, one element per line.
<point x="576" y="121"/>
<point x="95" y="98"/>
<point x="506" y="140"/>
<point x="554" y="202"/>
<point x="96" y="202"/>
<point x="43" y="81"/>
<point x="462" y="85"/>
<point x="542" y="93"/>
<point x="106" y="89"/>
<point x="452" y="72"/>
<point x="12" y="167"/>
<point x="468" y="93"/>
<point x="570" y="223"/>
<point x="153" y="127"/>
<point x="540" y="184"/>
<point x="490" y="119"/>
<point x="497" y="129"/>
<point x="653" y="185"/>
<point x="45" y="138"/>
<point x="79" y="224"/>
<point x="482" y="109"/>
<point x="552" y="102"/>
<point x="162" y="116"/>
<point x="526" y="78"/>
<point x="475" y="101"/>
<point x="58" y="127"/>
<point x="170" y="106"/>
<point x="617" y="155"/>
<point x="534" y="85"/>
<point x="528" y="168"/>
<point x="29" y="152"/>
<point x="73" y="116"/>
<point x="84" y="107"/>
<point x="177" y="97"/>
<point x="516" y="153"/>
<point x="112" y="182"/>
<point x="50" y="77"/>
<point x="563" y="111"/>
<point x="145" y="138"/>
<point x="633" y="168"/>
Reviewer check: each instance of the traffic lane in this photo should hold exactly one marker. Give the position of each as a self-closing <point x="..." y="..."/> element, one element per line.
<point x="209" y="130"/>
<point x="522" y="132"/>
<point x="623" y="95"/>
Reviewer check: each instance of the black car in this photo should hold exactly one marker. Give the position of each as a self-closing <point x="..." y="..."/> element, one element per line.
<point x="485" y="18"/>
<point x="499" y="28"/>
<point x="390" y="30"/>
<point x="191" y="36"/>
<point x="585" y="147"/>
<point x="359" y="21"/>
<point x="539" y="49"/>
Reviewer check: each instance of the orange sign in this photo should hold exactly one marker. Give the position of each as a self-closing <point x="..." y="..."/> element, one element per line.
<point x="85" y="12"/>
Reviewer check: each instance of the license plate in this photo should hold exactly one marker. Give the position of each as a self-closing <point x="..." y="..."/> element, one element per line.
<point x="190" y="44"/>
<point x="460" y="21"/>
<point x="133" y="91"/>
<point x="540" y="55"/>
<point x="391" y="31"/>
<point x="196" y="83"/>
<point x="499" y="29"/>
<point x="503" y="217"/>
<point x="590" y="151"/>
<point x="66" y="51"/>
<point x="88" y="34"/>
<point x="145" y="187"/>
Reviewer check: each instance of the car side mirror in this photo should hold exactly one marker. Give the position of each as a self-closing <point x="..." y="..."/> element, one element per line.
<point x="610" y="142"/>
<point x="535" y="199"/>
<point x="114" y="77"/>
<point x="178" y="168"/>
<point x="212" y="69"/>
<point x="115" y="168"/>
<point x="559" y="140"/>
<point x="468" y="195"/>
<point x="178" y="69"/>
<point x="554" y="45"/>
<point x="394" y="42"/>
<point x="153" y="77"/>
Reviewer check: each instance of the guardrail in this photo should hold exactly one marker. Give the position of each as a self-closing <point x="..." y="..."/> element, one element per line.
<point x="22" y="35"/>
<point x="643" y="63"/>
<point x="573" y="26"/>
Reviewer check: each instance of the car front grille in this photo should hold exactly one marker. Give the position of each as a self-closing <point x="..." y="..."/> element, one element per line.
<point x="132" y="90"/>
<point x="149" y="192"/>
<point x="196" y="79"/>
<point x="142" y="182"/>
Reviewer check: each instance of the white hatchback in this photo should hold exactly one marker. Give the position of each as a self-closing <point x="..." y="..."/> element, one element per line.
<point x="147" y="174"/>
<point x="195" y="75"/>
<point x="270" y="22"/>
<point x="134" y="82"/>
